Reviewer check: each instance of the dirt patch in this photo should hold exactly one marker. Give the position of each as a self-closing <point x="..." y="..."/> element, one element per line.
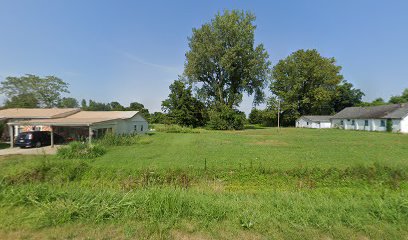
<point x="270" y="142"/>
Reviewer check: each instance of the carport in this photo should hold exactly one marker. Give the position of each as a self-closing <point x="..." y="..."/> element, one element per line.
<point x="92" y="127"/>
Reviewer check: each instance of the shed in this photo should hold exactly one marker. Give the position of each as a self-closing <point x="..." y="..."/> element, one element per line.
<point x="314" y="121"/>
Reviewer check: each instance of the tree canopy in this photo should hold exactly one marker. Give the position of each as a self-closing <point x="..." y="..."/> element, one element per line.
<point x="307" y="83"/>
<point x="68" y="102"/>
<point x="182" y="108"/>
<point x="223" y="61"/>
<point x="46" y="90"/>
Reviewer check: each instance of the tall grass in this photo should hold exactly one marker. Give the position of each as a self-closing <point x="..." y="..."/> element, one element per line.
<point x="78" y="150"/>
<point x="176" y="129"/>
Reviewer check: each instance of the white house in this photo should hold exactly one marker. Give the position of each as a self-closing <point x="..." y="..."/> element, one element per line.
<point x="84" y="124"/>
<point x="374" y="118"/>
<point x="313" y="122"/>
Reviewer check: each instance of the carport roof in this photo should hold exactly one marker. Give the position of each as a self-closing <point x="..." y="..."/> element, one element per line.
<point x="83" y="118"/>
<point x="36" y="113"/>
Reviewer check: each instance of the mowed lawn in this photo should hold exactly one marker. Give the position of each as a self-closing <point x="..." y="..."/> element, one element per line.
<point x="251" y="184"/>
<point x="283" y="149"/>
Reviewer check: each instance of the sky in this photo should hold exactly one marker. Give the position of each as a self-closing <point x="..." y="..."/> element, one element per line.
<point x="131" y="51"/>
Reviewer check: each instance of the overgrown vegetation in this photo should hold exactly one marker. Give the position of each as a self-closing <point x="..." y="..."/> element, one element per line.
<point x="172" y="128"/>
<point x="79" y="150"/>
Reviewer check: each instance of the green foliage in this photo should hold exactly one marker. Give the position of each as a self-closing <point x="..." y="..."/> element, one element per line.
<point x="111" y="139"/>
<point x="309" y="84"/>
<point x="78" y="150"/>
<point x="47" y="90"/>
<point x="389" y="125"/>
<point x="159" y="117"/>
<point x="224" y="118"/>
<point x="376" y="102"/>
<point x="182" y="108"/>
<point x="255" y="116"/>
<point x="223" y="61"/>
<point x="400" y="99"/>
<point x="346" y="96"/>
<point x="68" y="102"/>
<point x="135" y="106"/>
<point x="172" y="128"/>
<point x="24" y="100"/>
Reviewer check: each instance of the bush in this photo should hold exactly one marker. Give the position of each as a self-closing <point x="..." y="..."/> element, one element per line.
<point x="78" y="150"/>
<point x="111" y="139"/>
<point x="225" y="118"/>
<point x="175" y="129"/>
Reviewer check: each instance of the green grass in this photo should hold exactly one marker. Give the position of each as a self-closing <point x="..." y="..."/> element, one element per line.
<point x="252" y="184"/>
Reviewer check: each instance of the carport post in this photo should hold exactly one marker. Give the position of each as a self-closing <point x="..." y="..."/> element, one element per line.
<point x="11" y="132"/>
<point x="90" y="135"/>
<point x="52" y="136"/>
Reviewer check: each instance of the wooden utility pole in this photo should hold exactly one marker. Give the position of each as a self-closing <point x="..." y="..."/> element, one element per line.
<point x="278" y="114"/>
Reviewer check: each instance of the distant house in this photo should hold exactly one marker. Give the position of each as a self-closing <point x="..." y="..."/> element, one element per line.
<point x="313" y="122"/>
<point x="374" y="118"/>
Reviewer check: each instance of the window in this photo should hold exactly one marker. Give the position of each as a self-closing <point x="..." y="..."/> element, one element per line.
<point x="341" y="122"/>
<point x="382" y="123"/>
<point x="366" y="123"/>
<point x="141" y="128"/>
<point x="135" y="128"/>
<point x="307" y="123"/>
<point x="353" y="122"/>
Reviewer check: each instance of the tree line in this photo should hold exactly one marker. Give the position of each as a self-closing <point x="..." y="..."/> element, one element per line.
<point x="222" y="64"/>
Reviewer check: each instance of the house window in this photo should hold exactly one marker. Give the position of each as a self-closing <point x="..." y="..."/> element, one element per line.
<point x="141" y="128"/>
<point x="382" y="123"/>
<point x="353" y="122"/>
<point x="366" y="123"/>
<point x="341" y="122"/>
<point x="135" y="128"/>
<point x="307" y="123"/>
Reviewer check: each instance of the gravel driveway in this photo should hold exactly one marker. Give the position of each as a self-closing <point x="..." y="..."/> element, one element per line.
<point x="29" y="151"/>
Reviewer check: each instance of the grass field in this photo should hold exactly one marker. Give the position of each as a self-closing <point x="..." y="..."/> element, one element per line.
<point x="251" y="184"/>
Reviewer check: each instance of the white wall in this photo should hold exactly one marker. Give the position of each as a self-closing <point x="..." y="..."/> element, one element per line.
<point x="373" y="124"/>
<point x="137" y="124"/>
<point x="404" y="125"/>
<point x="303" y="123"/>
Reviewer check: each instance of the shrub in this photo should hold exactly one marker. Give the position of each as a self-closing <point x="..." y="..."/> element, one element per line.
<point x="225" y="118"/>
<point x="111" y="139"/>
<point x="78" y="150"/>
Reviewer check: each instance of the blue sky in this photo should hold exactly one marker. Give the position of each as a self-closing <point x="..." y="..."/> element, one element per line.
<point x="132" y="50"/>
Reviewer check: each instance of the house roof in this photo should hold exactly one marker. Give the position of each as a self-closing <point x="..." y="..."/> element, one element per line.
<point x="395" y="111"/>
<point x="317" y="118"/>
<point x="83" y="118"/>
<point x="35" y="113"/>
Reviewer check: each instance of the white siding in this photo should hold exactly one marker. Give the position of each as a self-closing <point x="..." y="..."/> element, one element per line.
<point x="404" y="125"/>
<point x="373" y="124"/>
<point x="137" y="124"/>
<point x="304" y="123"/>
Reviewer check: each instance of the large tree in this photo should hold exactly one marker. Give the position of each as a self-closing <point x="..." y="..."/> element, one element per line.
<point x="223" y="61"/>
<point x="47" y="90"/>
<point x="25" y="100"/>
<point x="136" y="106"/>
<point x="182" y="108"/>
<point x="307" y="83"/>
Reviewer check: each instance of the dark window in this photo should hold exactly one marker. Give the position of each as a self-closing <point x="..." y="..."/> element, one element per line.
<point x="342" y="122"/>
<point x="382" y="123"/>
<point x="353" y="122"/>
<point x="135" y="128"/>
<point x="366" y="123"/>
<point x="141" y="128"/>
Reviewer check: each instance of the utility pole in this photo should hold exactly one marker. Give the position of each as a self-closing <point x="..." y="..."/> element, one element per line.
<point x="278" y="113"/>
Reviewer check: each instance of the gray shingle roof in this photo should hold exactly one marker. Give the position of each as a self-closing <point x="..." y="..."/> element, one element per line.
<point x="317" y="118"/>
<point x="395" y="111"/>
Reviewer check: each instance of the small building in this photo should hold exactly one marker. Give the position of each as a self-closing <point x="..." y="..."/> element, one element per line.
<point x="82" y="125"/>
<point x="316" y="121"/>
<point x="375" y="118"/>
<point x="26" y="114"/>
